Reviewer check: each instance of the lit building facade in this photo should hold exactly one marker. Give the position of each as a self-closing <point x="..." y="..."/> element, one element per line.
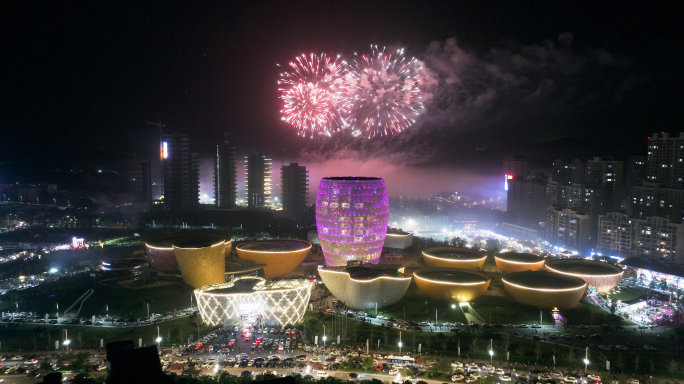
<point x="398" y="240"/>
<point x="544" y="289"/>
<point x="180" y="172"/>
<point x="602" y="276"/>
<point x="365" y="288"/>
<point x="200" y="262"/>
<point x="279" y="302"/>
<point x="160" y="252"/>
<point x="258" y="181"/>
<point x="279" y="257"/>
<point x="352" y="214"/>
<point x="225" y="175"/>
<point x="450" y="284"/>
<point x="568" y="228"/>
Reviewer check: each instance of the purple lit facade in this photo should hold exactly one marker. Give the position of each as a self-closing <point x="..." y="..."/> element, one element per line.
<point x="352" y="214"/>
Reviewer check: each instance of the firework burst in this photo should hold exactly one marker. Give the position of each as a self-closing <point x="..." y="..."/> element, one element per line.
<point x="383" y="91"/>
<point x="312" y="94"/>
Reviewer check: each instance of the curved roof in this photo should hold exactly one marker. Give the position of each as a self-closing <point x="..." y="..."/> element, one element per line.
<point x="451" y="275"/>
<point x="543" y="280"/>
<point x="197" y="243"/>
<point x="454" y="253"/>
<point x="170" y="239"/>
<point x="351" y="178"/>
<point x="583" y="267"/>
<point x="285" y="245"/>
<point x="519" y="257"/>
<point x="365" y="273"/>
<point x="123" y="265"/>
<point x="654" y="265"/>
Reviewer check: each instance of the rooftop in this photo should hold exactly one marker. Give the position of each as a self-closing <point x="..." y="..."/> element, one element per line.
<point x="543" y="280"/>
<point x="454" y="253"/>
<point x="583" y="267"/>
<point x="284" y="245"/>
<point x="452" y="275"/>
<point x="519" y="257"/>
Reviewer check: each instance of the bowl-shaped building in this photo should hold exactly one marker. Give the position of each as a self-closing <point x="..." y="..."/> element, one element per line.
<point x="602" y="276"/>
<point x="201" y="262"/>
<point x="160" y="254"/>
<point x="510" y="262"/>
<point x="452" y="257"/>
<point x="275" y="302"/>
<point x="352" y="214"/>
<point x="451" y="284"/>
<point x="364" y="287"/>
<point x="279" y="257"/>
<point x="133" y="266"/>
<point x="543" y="289"/>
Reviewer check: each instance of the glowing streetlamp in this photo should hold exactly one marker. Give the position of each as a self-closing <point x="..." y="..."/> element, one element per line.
<point x="66" y="340"/>
<point x="491" y="352"/>
<point x="158" y="338"/>
<point x="400" y="343"/>
<point x="324" y="338"/>
<point x="586" y="359"/>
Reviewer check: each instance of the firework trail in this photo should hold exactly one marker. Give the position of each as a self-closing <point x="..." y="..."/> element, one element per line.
<point x="313" y="95"/>
<point x="383" y="91"/>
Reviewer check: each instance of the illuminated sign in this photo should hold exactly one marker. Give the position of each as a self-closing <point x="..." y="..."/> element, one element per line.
<point x="509" y="177"/>
<point x="165" y="149"/>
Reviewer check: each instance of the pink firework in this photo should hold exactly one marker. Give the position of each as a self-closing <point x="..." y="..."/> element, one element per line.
<point x="312" y="94"/>
<point x="384" y="94"/>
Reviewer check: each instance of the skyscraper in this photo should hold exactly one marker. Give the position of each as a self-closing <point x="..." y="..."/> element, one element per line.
<point x="665" y="160"/>
<point x="225" y="175"/>
<point x="258" y="182"/>
<point x="295" y="182"/>
<point x="143" y="182"/>
<point x="180" y="172"/>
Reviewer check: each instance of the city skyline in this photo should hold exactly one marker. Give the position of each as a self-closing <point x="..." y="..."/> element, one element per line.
<point x="508" y="79"/>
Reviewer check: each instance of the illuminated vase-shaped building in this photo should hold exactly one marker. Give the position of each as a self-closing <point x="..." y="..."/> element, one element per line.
<point x="352" y="214"/>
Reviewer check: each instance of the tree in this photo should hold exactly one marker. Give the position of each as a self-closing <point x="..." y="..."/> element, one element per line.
<point x="636" y="363"/>
<point x="651" y="365"/>
<point x="368" y="364"/>
<point x="385" y="335"/>
<point x="570" y="356"/>
<point x="474" y="346"/>
<point x="672" y="367"/>
<point x="520" y="352"/>
<point x="620" y="363"/>
<point x="506" y="344"/>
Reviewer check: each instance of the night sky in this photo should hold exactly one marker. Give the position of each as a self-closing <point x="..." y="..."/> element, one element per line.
<point x="537" y="78"/>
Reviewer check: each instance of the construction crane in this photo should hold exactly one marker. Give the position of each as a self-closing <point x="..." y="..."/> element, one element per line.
<point x="161" y="145"/>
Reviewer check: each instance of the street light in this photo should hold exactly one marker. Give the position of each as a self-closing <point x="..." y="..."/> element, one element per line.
<point x="400" y="343"/>
<point x="491" y="352"/>
<point x="324" y="338"/>
<point x="586" y="359"/>
<point x="66" y="339"/>
<point x="158" y="338"/>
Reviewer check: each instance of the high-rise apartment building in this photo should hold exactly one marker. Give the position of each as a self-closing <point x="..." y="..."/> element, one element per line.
<point x="515" y="165"/>
<point x="225" y="175"/>
<point x="635" y="173"/>
<point x="654" y="238"/>
<point x="568" y="228"/>
<point x="142" y="182"/>
<point x="665" y="160"/>
<point x="180" y="172"/>
<point x="527" y="201"/>
<point x="295" y="189"/>
<point x="258" y="181"/>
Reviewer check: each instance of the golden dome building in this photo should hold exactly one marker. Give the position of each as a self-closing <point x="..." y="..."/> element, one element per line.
<point x="160" y="254"/>
<point x="450" y="284"/>
<point x="543" y="289"/>
<point x="510" y="262"/>
<point x="201" y="262"/>
<point x="279" y="257"/>
<point x="602" y="276"/>
<point x="365" y="287"/>
<point x="452" y="257"/>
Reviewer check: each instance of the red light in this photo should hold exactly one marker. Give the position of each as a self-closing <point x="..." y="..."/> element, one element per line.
<point x="509" y="177"/>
